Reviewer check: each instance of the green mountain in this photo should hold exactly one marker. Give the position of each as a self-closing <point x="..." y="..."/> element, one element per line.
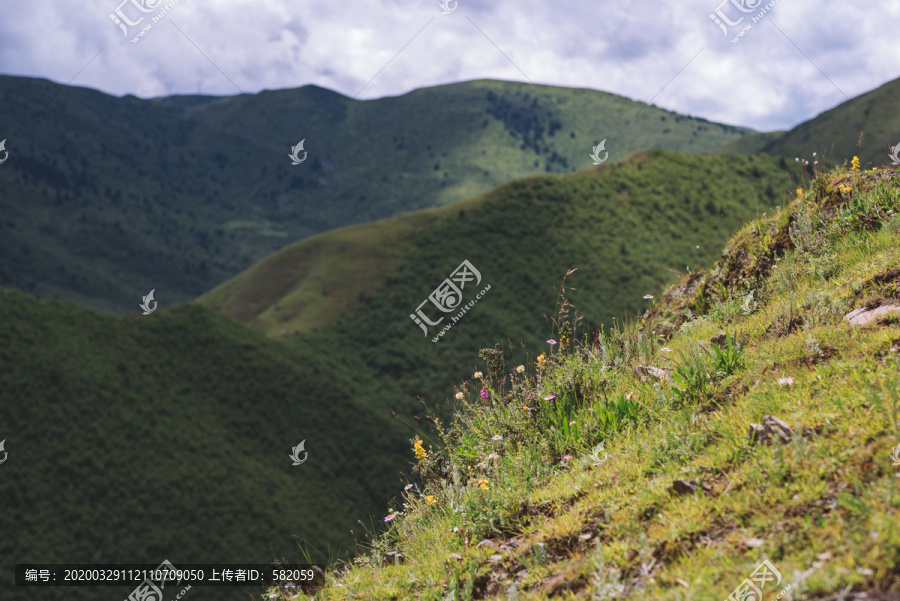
<point x="167" y="436"/>
<point x="630" y="225"/>
<point x="106" y="198"/>
<point x="835" y="133"/>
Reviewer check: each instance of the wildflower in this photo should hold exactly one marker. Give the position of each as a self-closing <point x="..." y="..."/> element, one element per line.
<point x="549" y="397"/>
<point x="483" y="483"/>
<point x="666" y="349"/>
<point x="484" y="393"/>
<point x="526" y="407"/>
<point x="420" y="451"/>
<point x="390" y="517"/>
<point x="477" y="375"/>
<point x="566" y="457"/>
<point x="456" y="528"/>
<point x="493" y="456"/>
<point x="855" y="163"/>
<point x="540" y="359"/>
<point x="430" y="499"/>
<point x="521" y="369"/>
<point x="785" y="381"/>
<point x="551" y="342"/>
<point x="648" y="297"/>
<point x="814" y="155"/>
<point x="796" y="160"/>
<point x="497" y="437"/>
<point x="460" y="396"/>
<point x="290" y="585"/>
<point x="799" y="192"/>
<point x="272" y="596"/>
<point x="408" y="486"/>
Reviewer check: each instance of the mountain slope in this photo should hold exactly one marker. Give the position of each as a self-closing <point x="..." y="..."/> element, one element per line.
<point x="168" y="436"/>
<point x="629" y="224"/>
<point x="834" y="133"/>
<point x="589" y="472"/>
<point x="105" y="198"/>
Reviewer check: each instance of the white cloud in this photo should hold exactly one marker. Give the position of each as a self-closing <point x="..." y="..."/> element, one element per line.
<point x="766" y="80"/>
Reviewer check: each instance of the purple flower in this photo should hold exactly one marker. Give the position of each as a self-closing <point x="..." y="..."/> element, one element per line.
<point x="390" y="517"/>
<point x="497" y="437"/>
<point x="407" y="487"/>
<point x="549" y="397"/>
<point x="484" y="393"/>
<point x="551" y="342"/>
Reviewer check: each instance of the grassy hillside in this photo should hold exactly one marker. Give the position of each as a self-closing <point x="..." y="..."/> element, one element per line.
<point x="623" y="468"/>
<point x="629" y="227"/>
<point x="106" y="198"/>
<point x="834" y="133"/>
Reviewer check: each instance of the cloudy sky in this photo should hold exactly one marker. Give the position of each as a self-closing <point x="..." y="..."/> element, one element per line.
<point x="800" y="58"/>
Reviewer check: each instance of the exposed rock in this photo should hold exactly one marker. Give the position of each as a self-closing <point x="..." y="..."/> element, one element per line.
<point x="720" y="339"/>
<point x="455" y="556"/>
<point x="585" y="536"/>
<point x="495" y="558"/>
<point x="394" y="557"/>
<point x="487" y="543"/>
<point x="684" y="487"/>
<point x="645" y="372"/>
<point x="763" y="433"/>
<point x="862" y="316"/>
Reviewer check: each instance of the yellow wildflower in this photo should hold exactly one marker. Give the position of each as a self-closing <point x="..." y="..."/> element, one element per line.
<point x="855" y="163"/>
<point x="520" y="369"/>
<point x="540" y="359"/>
<point x="483" y="483"/>
<point x="430" y="499"/>
<point x="799" y="192"/>
<point x="421" y="453"/>
<point x="478" y="374"/>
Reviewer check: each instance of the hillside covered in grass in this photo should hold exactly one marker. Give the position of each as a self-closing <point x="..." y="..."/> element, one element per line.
<point x="106" y="198"/>
<point x="632" y="227"/>
<point x="748" y="416"/>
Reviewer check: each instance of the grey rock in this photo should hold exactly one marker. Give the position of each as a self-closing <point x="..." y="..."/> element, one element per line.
<point x="770" y="429"/>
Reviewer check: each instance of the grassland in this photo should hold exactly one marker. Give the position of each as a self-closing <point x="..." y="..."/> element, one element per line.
<point x="583" y="473"/>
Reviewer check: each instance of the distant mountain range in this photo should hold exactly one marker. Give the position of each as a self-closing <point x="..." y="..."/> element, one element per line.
<point x="106" y="198"/>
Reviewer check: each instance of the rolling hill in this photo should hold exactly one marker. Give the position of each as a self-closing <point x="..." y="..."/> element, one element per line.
<point x="106" y="198"/>
<point x="834" y="133"/>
